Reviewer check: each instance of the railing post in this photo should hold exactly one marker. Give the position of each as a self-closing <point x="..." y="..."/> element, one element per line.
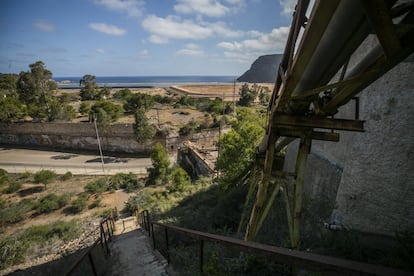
<point x="166" y="245"/>
<point x="153" y="236"/>
<point x="201" y="255"/>
<point x="104" y="238"/>
<point x="92" y="264"/>
<point x="109" y="231"/>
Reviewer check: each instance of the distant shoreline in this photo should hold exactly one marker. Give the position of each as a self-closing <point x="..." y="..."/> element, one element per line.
<point x="146" y="82"/>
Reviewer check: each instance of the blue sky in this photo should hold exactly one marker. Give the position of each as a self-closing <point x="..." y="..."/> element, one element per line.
<point x="141" y="38"/>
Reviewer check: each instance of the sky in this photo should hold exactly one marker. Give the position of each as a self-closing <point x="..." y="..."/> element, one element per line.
<point x="141" y="38"/>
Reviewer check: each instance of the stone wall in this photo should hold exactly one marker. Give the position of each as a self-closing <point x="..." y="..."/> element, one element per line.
<point x="75" y="136"/>
<point x="367" y="178"/>
<point x="193" y="162"/>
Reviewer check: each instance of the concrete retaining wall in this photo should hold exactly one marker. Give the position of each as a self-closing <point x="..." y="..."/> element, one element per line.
<point x="75" y="136"/>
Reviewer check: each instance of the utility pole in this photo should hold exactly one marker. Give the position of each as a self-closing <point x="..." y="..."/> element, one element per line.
<point x="234" y="98"/>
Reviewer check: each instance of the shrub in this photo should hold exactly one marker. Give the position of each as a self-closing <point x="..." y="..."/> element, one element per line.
<point x="16" y="212"/>
<point x="4" y="177"/>
<point x="51" y="202"/>
<point x="96" y="187"/>
<point x="79" y="204"/>
<point x="44" y="176"/>
<point x="128" y="182"/>
<point x="12" y="251"/>
<point x="180" y="180"/>
<point x="66" y="176"/>
<point x="13" y="187"/>
<point x="64" y="230"/>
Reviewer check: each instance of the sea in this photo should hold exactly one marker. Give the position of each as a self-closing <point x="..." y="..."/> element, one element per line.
<point x="146" y="81"/>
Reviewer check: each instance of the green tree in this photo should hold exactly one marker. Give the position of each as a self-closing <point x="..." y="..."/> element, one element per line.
<point x="105" y="113"/>
<point x="88" y="78"/>
<point x="179" y="180"/>
<point x="60" y="111"/>
<point x="143" y="130"/>
<point x="264" y="95"/>
<point x="246" y="96"/>
<point x="90" y="89"/>
<point x="8" y="85"/>
<point x="12" y="109"/>
<point x="237" y="148"/>
<point x="44" y="176"/>
<point x="160" y="165"/>
<point x="138" y="100"/>
<point x="89" y="92"/>
<point x="36" y="86"/>
<point x="122" y="94"/>
<point x="84" y="108"/>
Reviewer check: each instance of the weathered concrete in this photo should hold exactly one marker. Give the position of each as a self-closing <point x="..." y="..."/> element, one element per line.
<point x="78" y="136"/>
<point x="131" y="252"/>
<point x="194" y="162"/>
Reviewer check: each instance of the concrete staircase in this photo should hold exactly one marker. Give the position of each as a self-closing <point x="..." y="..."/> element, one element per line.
<point x="131" y="252"/>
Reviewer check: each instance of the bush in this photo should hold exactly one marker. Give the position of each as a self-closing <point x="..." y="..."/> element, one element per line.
<point x="180" y="180"/>
<point x="44" y="176"/>
<point x="96" y="187"/>
<point x="51" y="202"/>
<point x="16" y="212"/>
<point x="4" y="177"/>
<point x="66" y="176"/>
<point x="12" y="251"/>
<point x="64" y="230"/>
<point x="128" y="182"/>
<point x="13" y="187"/>
<point x="79" y="204"/>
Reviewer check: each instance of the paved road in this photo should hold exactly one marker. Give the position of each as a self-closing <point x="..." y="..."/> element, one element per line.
<point x="21" y="160"/>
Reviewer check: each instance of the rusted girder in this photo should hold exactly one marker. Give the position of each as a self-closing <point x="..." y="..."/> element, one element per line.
<point x="282" y="120"/>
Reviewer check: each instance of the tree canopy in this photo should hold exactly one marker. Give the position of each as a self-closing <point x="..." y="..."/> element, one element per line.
<point x="105" y="112"/>
<point x="36" y="86"/>
<point x="237" y="147"/>
<point x="143" y="130"/>
<point x="246" y="96"/>
<point x="160" y="166"/>
<point x="138" y="100"/>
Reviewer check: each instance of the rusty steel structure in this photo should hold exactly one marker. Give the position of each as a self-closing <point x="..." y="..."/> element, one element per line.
<point x="313" y="82"/>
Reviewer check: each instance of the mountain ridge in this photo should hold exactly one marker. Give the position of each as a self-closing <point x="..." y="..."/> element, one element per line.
<point x="262" y="70"/>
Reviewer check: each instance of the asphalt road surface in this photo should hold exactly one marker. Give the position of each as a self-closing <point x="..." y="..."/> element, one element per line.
<point x="21" y="160"/>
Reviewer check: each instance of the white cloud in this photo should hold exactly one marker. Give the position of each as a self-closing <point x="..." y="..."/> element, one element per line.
<point x="221" y="29"/>
<point x="107" y="29"/>
<point x="100" y="51"/>
<point x="44" y="26"/>
<point x="211" y="8"/>
<point x="191" y="49"/>
<point x="171" y="27"/>
<point x="240" y="57"/>
<point x="288" y="6"/>
<point x="132" y="7"/>
<point x="271" y="42"/>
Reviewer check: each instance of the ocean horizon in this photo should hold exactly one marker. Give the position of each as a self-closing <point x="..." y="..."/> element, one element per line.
<point x="145" y="81"/>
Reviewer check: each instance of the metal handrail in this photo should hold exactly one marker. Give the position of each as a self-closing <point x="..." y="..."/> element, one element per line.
<point x="295" y="258"/>
<point x="105" y="236"/>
